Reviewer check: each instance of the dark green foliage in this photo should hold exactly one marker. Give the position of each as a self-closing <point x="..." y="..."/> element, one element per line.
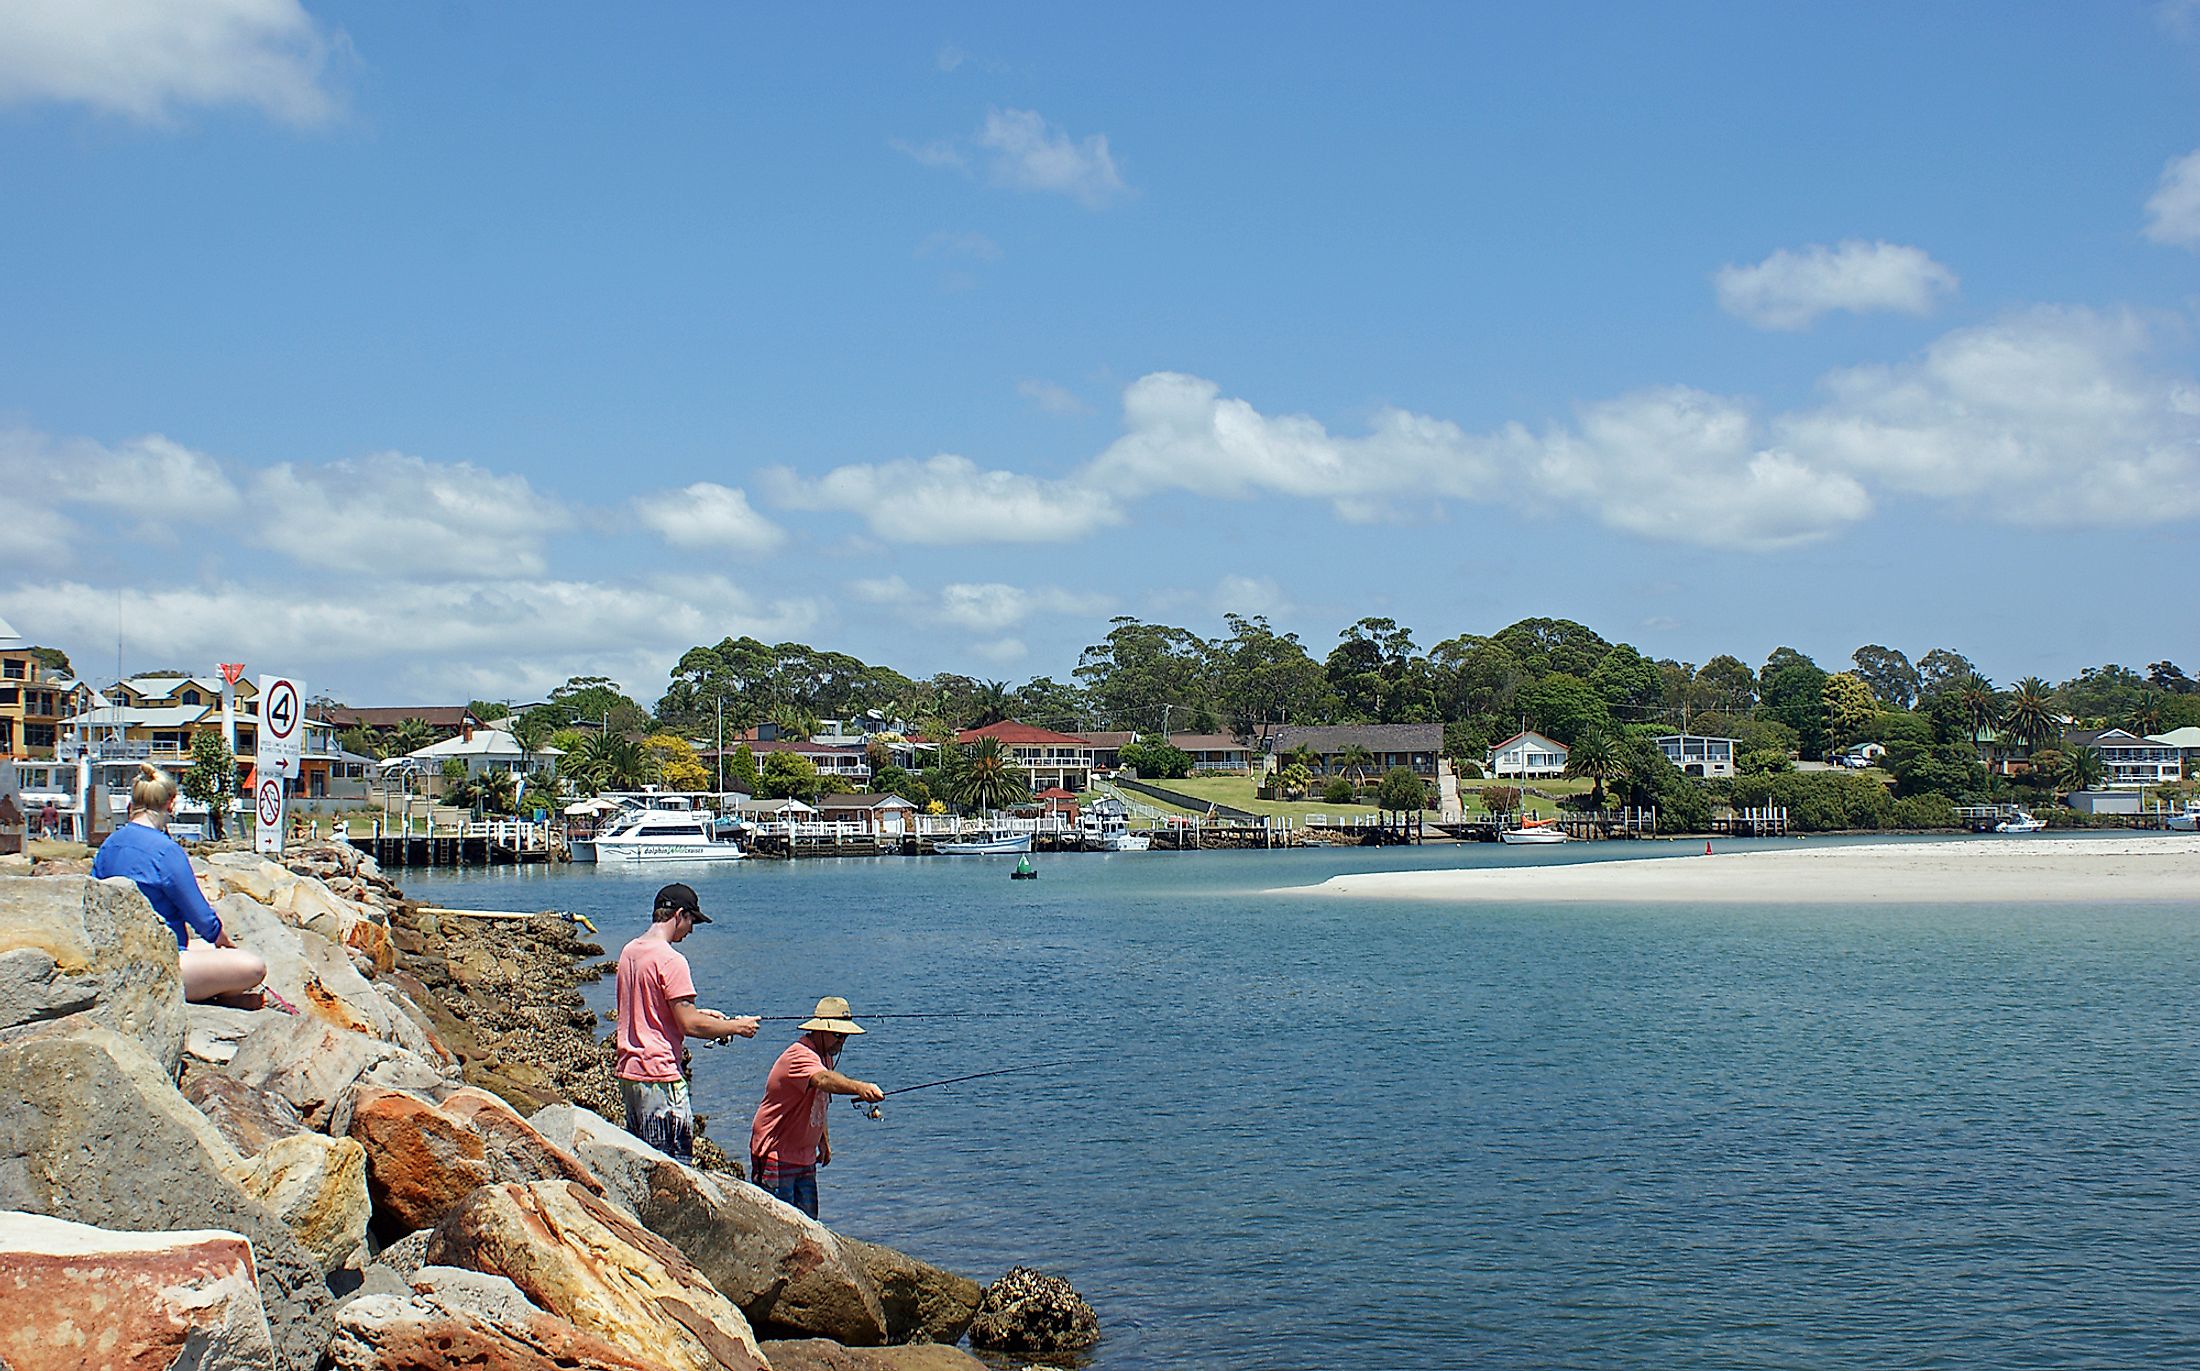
<point x="489" y="711"/>
<point x="741" y="770"/>
<point x="1546" y="645"/>
<point x="1338" y="791"/>
<point x="1819" y="801"/>
<point x="56" y="661"/>
<point x="1892" y="679"/>
<point x="1047" y="703"/>
<point x="1628" y="682"/>
<point x="1401" y="791"/>
<point x="1563" y="707"/>
<point x="1648" y="779"/>
<point x="1465" y="743"/>
<point x="1377" y="675"/>
<point x="1942" y="670"/>
<point x="1156" y="761"/>
<point x="1897" y="726"/>
<point x="1467" y="769"/>
<point x="1930" y="810"/>
<point x="1264" y="679"/>
<point x="1149" y="677"/>
<point x="1952" y="769"/>
<point x="1763" y="761"/>
<point x="212" y="778"/>
<point x="1795" y="695"/>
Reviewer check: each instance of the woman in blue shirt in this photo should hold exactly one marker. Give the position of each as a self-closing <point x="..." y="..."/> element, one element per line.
<point x="142" y="850"/>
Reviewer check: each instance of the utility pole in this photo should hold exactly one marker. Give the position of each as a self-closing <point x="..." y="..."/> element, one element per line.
<point x="721" y="745"/>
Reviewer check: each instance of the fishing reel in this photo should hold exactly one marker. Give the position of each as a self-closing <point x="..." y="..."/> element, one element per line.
<point x="868" y="1111"/>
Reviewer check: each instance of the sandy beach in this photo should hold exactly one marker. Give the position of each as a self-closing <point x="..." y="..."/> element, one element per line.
<point x="2006" y="870"/>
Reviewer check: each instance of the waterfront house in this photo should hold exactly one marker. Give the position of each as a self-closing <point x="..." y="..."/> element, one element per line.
<point x="1107" y="747"/>
<point x="2187" y="742"/>
<point x="851" y="764"/>
<point x="1048" y="758"/>
<point x="1697" y="755"/>
<point x="444" y="721"/>
<point x="1218" y="752"/>
<point x="1417" y="747"/>
<point x="159" y="719"/>
<point x="880" y="815"/>
<point x="1527" y="755"/>
<point x="2132" y="762"/>
<point x="34" y="701"/>
<point x="483" y="750"/>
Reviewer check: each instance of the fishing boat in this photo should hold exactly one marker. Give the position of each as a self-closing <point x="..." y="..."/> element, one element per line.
<point x="657" y="837"/>
<point x="985" y="845"/>
<point x="2186" y="820"/>
<point x="2020" y="822"/>
<point x="1106" y="827"/>
<point x="1533" y="833"/>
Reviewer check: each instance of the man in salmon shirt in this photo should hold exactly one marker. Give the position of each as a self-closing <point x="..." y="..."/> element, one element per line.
<point x="657" y="1012"/>
<point x="789" y="1141"/>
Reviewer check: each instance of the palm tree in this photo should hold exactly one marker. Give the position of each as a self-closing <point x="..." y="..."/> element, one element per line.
<point x="2146" y="716"/>
<point x="1594" y="755"/>
<point x="363" y="741"/>
<point x="1980" y="706"/>
<point x="984" y="776"/>
<point x="410" y="736"/>
<point x="2030" y="717"/>
<point x="607" y="761"/>
<point x="995" y="702"/>
<point x="2081" y="769"/>
<point x="1356" y="759"/>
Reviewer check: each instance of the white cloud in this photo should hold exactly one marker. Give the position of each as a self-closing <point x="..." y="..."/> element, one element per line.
<point x="1051" y="398"/>
<point x="883" y="590"/>
<point x="146" y="58"/>
<point x="1002" y="651"/>
<point x="2173" y="211"/>
<point x="1183" y="434"/>
<point x="1031" y="154"/>
<point x="990" y="606"/>
<point x="400" y="516"/>
<point x="490" y="638"/>
<point x="1022" y="151"/>
<point x="709" y="515"/>
<point x="1683" y="466"/>
<point x="151" y="478"/>
<point x="1790" y="289"/>
<point x="2045" y="417"/>
<point x="949" y="500"/>
<point x="1250" y="596"/>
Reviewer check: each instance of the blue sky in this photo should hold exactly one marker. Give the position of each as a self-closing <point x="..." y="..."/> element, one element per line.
<point x="434" y="351"/>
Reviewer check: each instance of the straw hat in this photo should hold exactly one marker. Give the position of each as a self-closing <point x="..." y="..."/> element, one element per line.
<point x="832" y="1017"/>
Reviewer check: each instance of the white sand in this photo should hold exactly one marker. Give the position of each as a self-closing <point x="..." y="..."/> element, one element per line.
<point x="2004" y="870"/>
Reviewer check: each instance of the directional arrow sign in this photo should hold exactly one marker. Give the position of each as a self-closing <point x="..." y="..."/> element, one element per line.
<point x="282" y="740"/>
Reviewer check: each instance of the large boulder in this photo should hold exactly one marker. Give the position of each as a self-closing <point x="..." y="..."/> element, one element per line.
<point x="575" y="1255"/>
<point x="214" y="1031"/>
<point x="252" y="1120"/>
<point x="318" y="1186"/>
<point x="822" y="1354"/>
<point x="786" y="1270"/>
<point x="1027" y="1311"/>
<point x="75" y="1296"/>
<point x="73" y="945"/>
<point x="516" y="1151"/>
<point x="310" y="971"/>
<point x="922" y="1302"/>
<point x="420" y="1161"/>
<point x="95" y="1132"/>
<point x="445" y="1324"/>
<point x="314" y="1064"/>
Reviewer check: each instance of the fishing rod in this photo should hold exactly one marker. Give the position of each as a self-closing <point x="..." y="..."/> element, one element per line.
<point x="939" y="1014"/>
<point x="870" y="1110"/>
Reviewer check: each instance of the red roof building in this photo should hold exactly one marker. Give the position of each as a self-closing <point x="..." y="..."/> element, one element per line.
<point x="1050" y="759"/>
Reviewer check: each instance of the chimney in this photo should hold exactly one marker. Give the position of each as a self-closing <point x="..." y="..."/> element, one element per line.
<point x="468" y="735"/>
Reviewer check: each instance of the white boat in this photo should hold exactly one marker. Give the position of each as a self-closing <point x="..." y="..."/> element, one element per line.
<point x="2186" y="820"/>
<point x="658" y="837"/>
<point x="985" y="845"/>
<point x="1533" y="833"/>
<point x="1108" y="829"/>
<point x="2020" y="822"/>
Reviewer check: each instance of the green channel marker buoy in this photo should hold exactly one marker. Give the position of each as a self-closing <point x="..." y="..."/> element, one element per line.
<point x="1023" y="871"/>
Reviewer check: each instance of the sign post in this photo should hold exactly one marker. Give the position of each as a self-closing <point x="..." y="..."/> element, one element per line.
<point x="279" y="747"/>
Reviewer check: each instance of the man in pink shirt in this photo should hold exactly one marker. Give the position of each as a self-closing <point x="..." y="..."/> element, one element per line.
<point x="789" y="1140"/>
<point x="657" y="1013"/>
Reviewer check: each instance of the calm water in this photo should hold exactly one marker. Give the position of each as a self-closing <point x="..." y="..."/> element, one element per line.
<point x="1314" y="1133"/>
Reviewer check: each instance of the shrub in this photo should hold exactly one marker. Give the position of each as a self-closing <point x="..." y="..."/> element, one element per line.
<point x="1401" y="790"/>
<point x="1930" y="810"/>
<point x="1500" y="799"/>
<point x="1339" y="791"/>
<point x="1819" y="801"/>
<point x="1467" y="770"/>
<point x="1159" y="761"/>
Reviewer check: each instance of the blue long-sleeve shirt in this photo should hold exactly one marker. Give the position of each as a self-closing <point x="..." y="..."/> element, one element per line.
<point x="156" y="862"/>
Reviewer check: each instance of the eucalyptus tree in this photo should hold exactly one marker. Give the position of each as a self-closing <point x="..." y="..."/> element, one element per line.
<point x="1264" y="678"/>
<point x="1890" y="675"/>
<point x="1942" y="669"/>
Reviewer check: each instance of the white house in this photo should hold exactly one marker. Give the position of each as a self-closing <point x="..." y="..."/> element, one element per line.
<point x="482" y="750"/>
<point x="1697" y="755"/>
<point x="2132" y="762"/>
<point x="1527" y="755"/>
<point x="2187" y="742"/>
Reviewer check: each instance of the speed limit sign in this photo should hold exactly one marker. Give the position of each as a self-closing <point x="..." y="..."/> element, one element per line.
<point x="282" y="738"/>
<point x="267" y="814"/>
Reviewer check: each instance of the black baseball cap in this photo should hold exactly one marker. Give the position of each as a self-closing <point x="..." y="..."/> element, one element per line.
<point x="679" y="897"/>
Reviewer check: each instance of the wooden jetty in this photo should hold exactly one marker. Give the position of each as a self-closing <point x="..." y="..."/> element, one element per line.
<point x="492" y="842"/>
<point x="1771" y="821"/>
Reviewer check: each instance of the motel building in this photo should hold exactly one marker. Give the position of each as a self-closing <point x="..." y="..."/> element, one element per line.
<point x="1048" y="758"/>
<point x="1697" y="755"/>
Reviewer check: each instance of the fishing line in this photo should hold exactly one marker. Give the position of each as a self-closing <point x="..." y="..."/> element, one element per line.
<point x="872" y="1110"/>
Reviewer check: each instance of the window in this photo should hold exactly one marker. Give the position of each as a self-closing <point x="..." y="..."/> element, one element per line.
<point x="38" y="735"/>
<point x="191" y="697"/>
<point x="10" y="695"/>
<point x="15" y="668"/>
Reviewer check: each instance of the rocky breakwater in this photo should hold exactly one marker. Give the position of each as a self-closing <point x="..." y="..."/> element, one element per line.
<point x="395" y="1176"/>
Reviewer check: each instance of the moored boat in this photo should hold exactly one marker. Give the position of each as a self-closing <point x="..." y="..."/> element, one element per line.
<point x="2020" y="822"/>
<point x="655" y="837"/>
<point x="985" y="845"/>
<point x="1533" y="833"/>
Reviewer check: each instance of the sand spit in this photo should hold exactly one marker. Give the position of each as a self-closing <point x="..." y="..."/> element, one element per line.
<point x="2004" y="870"/>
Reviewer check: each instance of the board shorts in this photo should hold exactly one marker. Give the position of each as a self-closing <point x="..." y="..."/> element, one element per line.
<point x="659" y="1113"/>
<point x="797" y="1185"/>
